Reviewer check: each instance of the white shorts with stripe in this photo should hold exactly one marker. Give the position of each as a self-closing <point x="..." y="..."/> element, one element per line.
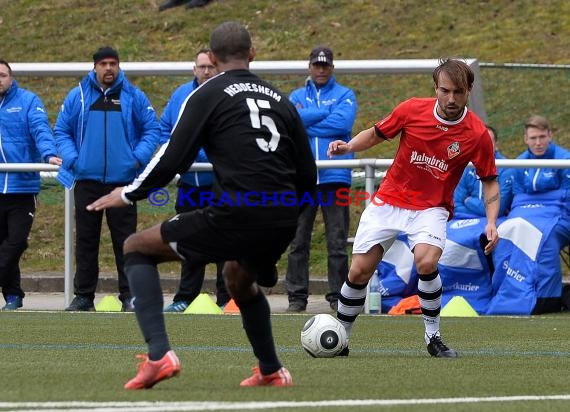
<point x="381" y="223"/>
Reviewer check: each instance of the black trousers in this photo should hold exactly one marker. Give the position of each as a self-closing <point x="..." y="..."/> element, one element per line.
<point x="192" y="275"/>
<point x="121" y="221"/>
<point x="336" y="219"/>
<point x="16" y="218"/>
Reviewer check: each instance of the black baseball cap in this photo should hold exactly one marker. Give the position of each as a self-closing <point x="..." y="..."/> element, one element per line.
<point x="321" y="55"/>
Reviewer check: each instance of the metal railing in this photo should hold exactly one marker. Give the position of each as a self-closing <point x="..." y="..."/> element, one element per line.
<point x="261" y="67"/>
<point x="370" y="167"/>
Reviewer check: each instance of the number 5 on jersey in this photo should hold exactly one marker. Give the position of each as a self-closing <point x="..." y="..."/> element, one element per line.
<point x="257" y="121"/>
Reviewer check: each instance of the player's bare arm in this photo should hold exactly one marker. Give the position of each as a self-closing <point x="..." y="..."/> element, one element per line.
<point x="113" y="199"/>
<point x="362" y="141"/>
<point x="494" y="198"/>
<point x="492" y="204"/>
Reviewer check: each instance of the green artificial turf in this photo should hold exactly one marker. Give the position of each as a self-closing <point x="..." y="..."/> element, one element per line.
<point x="87" y="357"/>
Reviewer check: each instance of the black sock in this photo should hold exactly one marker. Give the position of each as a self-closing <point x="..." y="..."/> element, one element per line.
<point x="145" y="287"/>
<point x="256" y="318"/>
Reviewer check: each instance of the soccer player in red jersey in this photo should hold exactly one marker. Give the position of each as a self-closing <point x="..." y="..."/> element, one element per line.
<point x="438" y="138"/>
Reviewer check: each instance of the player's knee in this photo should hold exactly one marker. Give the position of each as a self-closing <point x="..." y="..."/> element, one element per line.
<point x="426" y="258"/>
<point x="360" y="274"/>
<point x="149" y="242"/>
<point x="231" y="276"/>
<point x="426" y="265"/>
<point x="130" y="244"/>
<point x="238" y="282"/>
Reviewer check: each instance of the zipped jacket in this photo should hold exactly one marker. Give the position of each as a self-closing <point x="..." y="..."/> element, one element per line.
<point x="328" y="114"/>
<point x="543" y="179"/>
<point x="122" y="159"/>
<point x="25" y="137"/>
<point x="168" y="121"/>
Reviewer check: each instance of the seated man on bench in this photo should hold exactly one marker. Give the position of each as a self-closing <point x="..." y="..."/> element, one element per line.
<point x="528" y="273"/>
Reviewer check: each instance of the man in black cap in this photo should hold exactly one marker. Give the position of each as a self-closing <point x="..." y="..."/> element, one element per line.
<point x="328" y="111"/>
<point x="106" y="132"/>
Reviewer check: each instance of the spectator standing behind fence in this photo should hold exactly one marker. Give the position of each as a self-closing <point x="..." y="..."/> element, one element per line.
<point x="254" y="138"/>
<point x="438" y="138"/>
<point x="191" y="186"/>
<point x="106" y="132"/>
<point x="328" y="111"/>
<point x="25" y="137"/>
<point x="528" y="275"/>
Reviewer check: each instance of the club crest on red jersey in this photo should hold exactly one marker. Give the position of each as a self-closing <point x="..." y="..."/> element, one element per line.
<point x="453" y="150"/>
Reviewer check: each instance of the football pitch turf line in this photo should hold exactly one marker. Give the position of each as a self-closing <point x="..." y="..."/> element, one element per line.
<point x="280" y="349"/>
<point x="75" y="406"/>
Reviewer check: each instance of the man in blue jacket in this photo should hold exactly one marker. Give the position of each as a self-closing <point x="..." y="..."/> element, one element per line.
<point x="25" y="137"/>
<point x="328" y="111"/>
<point x="528" y="276"/>
<point x="191" y="186"/>
<point x="106" y="132"/>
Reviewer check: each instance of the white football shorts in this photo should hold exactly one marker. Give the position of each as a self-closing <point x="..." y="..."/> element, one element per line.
<point x="381" y="223"/>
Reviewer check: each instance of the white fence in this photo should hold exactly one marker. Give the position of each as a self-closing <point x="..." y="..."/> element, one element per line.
<point x="404" y="66"/>
<point x="370" y="167"/>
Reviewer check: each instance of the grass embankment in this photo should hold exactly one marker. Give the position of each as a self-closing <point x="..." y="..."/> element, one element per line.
<point x="497" y="32"/>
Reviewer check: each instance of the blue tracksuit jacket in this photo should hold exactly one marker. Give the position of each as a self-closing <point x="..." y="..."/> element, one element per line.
<point x="25" y="137"/>
<point x="328" y="114"/>
<point x="123" y="149"/>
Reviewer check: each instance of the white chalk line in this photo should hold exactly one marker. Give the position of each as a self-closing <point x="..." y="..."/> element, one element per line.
<point x="78" y="406"/>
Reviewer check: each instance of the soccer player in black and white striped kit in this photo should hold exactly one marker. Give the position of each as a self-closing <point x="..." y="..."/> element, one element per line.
<point x="257" y="143"/>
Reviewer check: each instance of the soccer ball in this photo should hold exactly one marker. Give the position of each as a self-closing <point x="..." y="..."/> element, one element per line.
<point x="323" y="336"/>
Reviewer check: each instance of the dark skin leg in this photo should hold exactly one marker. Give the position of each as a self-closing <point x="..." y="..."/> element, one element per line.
<point x="241" y="286"/>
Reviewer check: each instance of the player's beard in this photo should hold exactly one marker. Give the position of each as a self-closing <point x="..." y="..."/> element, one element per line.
<point x="451" y="112"/>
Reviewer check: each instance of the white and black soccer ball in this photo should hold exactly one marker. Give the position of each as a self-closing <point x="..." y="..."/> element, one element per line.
<point x="323" y="336"/>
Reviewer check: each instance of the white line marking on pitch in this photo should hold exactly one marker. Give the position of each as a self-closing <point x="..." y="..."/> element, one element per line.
<point x="75" y="406"/>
